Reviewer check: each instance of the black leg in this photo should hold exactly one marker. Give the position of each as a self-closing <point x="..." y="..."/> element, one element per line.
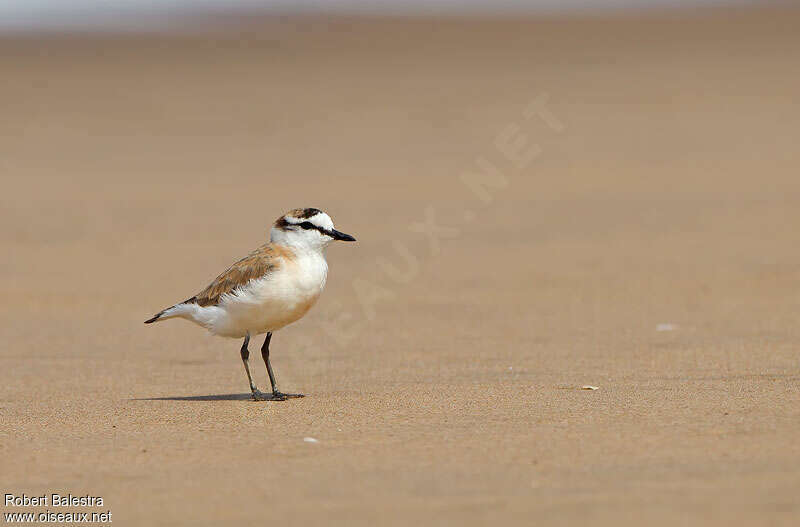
<point x="265" y="356"/>
<point x="257" y="395"/>
<point x="276" y="394"/>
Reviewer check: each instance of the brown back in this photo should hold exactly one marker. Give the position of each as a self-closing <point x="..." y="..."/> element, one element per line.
<point x="257" y="264"/>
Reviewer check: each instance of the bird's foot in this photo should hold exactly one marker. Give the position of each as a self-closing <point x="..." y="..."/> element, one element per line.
<point x="258" y="395"/>
<point x="280" y="396"/>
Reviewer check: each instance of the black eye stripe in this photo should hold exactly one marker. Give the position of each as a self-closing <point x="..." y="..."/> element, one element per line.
<point x="307" y="225"/>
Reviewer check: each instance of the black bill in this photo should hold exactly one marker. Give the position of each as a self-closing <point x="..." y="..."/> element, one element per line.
<point x="342" y="236"/>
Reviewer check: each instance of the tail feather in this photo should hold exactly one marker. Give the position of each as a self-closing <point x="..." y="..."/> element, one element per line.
<point x="156" y="317"/>
<point x="170" y="312"/>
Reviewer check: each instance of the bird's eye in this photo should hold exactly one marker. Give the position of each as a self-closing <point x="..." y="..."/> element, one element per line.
<point x="308" y="225"/>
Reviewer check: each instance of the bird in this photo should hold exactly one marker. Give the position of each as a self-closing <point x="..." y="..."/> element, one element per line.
<point x="272" y="287"/>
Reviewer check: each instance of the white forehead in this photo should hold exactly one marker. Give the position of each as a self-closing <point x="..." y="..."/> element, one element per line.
<point x="319" y="219"/>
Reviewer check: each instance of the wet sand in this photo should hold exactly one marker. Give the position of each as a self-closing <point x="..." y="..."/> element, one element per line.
<point x="645" y="242"/>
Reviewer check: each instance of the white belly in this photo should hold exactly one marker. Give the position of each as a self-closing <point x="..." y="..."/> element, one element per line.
<point x="269" y="303"/>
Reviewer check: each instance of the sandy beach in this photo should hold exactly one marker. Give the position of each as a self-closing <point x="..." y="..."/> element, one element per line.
<point x="541" y="204"/>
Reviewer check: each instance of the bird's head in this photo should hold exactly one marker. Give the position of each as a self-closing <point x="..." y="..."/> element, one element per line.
<point x="307" y="229"/>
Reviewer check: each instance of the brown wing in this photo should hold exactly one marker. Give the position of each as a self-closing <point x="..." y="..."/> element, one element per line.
<point x="255" y="265"/>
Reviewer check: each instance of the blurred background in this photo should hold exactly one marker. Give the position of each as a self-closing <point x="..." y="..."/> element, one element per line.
<point x="143" y="14"/>
<point x="546" y="195"/>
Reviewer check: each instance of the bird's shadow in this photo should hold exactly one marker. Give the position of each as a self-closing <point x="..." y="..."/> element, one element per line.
<point x="217" y="397"/>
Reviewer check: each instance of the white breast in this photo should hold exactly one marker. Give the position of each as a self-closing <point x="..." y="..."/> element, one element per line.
<point x="272" y="302"/>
